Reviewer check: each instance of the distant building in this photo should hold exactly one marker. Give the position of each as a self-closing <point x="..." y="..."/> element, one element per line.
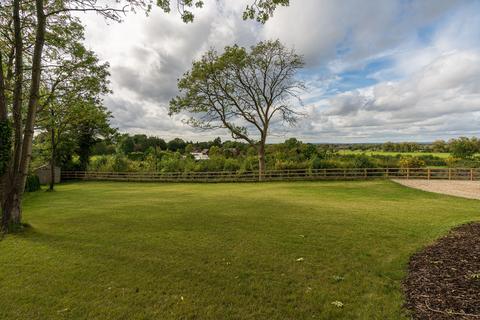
<point x="200" y="155"/>
<point x="233" y="152"/>
<point x="44" y="174"/>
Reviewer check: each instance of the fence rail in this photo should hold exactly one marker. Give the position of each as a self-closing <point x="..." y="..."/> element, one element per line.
<point x="280" y="175"/>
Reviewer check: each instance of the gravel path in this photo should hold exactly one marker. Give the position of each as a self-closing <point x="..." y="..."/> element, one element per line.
<point x="465" y="189"/>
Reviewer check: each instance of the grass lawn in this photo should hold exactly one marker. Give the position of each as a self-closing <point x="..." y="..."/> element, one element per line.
<point x="220" y="251"/>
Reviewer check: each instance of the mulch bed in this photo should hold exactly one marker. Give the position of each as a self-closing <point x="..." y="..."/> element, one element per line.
<point x="443" y="280"/>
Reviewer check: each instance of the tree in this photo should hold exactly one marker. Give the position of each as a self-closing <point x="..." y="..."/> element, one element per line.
<point x="242" y="91"/>
<point x="388" y="146"/>
<point x="24" y="29"/>
<point x="92" y="125"/>
<point x="439" y="146"/>
<point x="74" y="80"/>
<point x="176" y="144"/>
<point x="464" y="147"/>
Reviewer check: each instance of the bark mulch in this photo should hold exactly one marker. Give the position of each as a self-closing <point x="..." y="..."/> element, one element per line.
<point x="443" y="280"/>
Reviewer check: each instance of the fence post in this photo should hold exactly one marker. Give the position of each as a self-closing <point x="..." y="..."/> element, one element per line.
<point x="387" y="171"/>
<point x="471" y="174"/>
<point x="365" y="173"/>
<point x="449" y="173"/>
<point x="428" y="173"/>
<point x="408" y="173"/>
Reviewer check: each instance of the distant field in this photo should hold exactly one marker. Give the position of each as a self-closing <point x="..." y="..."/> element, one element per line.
<point x="220" y="251"/>
<point x="436" y="154"/>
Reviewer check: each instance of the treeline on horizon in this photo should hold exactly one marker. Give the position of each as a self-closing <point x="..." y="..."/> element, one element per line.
<point x="139" y="152"/>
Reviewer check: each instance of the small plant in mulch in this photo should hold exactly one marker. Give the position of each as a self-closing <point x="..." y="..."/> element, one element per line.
<point x="443" y="279"/>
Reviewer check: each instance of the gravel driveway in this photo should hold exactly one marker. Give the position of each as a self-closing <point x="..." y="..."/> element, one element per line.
<point x="465" y="189"/>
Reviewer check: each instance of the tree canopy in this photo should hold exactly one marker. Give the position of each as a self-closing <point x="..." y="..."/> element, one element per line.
<point x="244" y="91"/>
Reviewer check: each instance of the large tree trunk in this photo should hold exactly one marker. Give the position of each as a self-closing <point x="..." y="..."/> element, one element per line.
<point x="9" y="194"/>
<point x="5" y="137"/>
<point x="18" y="86"/>
<point x="5" y="154"/>
<point x="12" y="205"/>
<point x="13" y="201"/>
<point x="52" y="160"/>
<point x="261" y="161"/>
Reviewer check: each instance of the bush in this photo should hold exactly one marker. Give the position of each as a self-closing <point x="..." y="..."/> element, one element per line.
<point x="463" y="147"/>
<point x="463" y="163"/>
<point x="363" y="161"/>
<point x="231" y="165"/>
<point x="136" y="156"/>
<point x="411" y="162"/>
<point x="431" y="160"/>
<point x="99" y="163"/>
<point x="319" y="163"/>
<point x="291" y="165"/>
<point x="120" y="163"/>
<point x="33" y="183"/>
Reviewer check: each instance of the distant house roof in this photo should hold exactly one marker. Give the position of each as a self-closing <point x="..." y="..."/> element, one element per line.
<point x="200" y="156"/>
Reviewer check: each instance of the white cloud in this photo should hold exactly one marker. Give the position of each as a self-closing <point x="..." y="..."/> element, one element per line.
<point x="438" y="100"/>
<point x="430" y="89"/>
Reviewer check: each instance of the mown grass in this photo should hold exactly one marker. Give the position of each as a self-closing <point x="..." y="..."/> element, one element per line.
<point x="220" y="251"/>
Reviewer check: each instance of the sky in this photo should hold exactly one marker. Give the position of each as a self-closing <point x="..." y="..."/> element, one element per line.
<point x="376" y="70"/>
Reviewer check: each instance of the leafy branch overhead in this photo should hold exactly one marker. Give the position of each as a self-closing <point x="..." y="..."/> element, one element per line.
<point x="261" y="10"/>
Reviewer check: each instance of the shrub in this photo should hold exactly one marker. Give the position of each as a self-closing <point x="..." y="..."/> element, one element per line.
<point x="250" y="164"/>
<point x="98" y="163"/>
<point x="291" y="165"/>
<point x="136" y="156"/>
<point x="463" y="147"/>
<point x="33" y="183"/>
<point x="120" y="163"/>
<point x="231" y="165"/>
<point x="319" y="163"/>
<point x="411" y="162"/>
<point x="363" y="161"/>
<point x="431" y="160"/>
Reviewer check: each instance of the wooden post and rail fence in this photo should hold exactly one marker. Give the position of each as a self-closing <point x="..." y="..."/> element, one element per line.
<point x="280" y="175"/>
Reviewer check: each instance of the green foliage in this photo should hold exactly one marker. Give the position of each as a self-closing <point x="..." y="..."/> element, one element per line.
<point x="290" y="165"/>
<point x="5" y="145"/>
<point x="33" y="183"/>
<point x="176" y="144"/>
<point x="463" y="163"/>
<point x="237" y="156"/>
<point x="262" y="10"/>
<point x="464" y="147"/>
<point x="72" y="118"/>
<point x="120" y="163"/>
<point x="431" y="160"/>
<point x="439" y="146"/>
<point x="136" y="156"/>
<point x="363" y="161"/>
<point x="140" y="143"/>
<point x="214" y="151"/>
<point x="268" y="69"/>
<point x="411" y="162"/>
<point x="320" y="163"/>
<point x="231" y="165"/>
<point x="401" y="147"/>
